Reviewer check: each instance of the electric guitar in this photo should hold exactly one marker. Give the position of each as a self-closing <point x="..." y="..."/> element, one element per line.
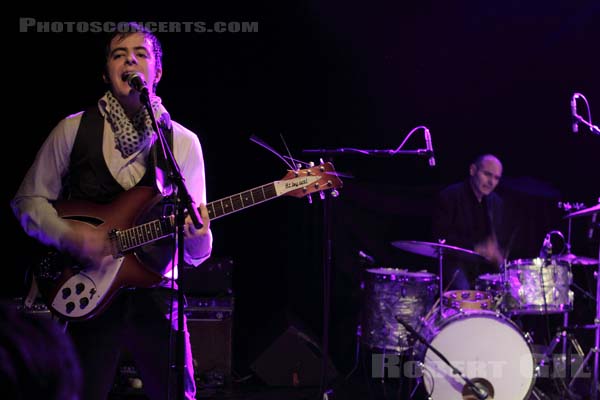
<point x="77" y="291"/>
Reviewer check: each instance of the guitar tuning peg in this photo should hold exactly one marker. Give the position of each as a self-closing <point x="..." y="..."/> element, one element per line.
<point x="309" y="197"/>
<point x="321" y="161"/>
<point x="311" y="164"/>
<point x="334" y="193"/>
<point x="322" y="195"/>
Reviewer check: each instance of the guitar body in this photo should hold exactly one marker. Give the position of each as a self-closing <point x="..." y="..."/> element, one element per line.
<point x="74" y="291"/>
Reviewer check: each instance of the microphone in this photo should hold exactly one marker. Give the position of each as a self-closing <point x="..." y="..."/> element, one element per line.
<point x="483" y="390"/>
<point x="367" y="257"/>
<point x="574" y="115"/>
<point x="136" y="81"/>
<point x="546" y="250"/>
<point x="429" y="148"/>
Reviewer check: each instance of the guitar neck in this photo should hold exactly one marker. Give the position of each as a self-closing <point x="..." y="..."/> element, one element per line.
<point x="295" y="183"/>
<point x="228" y="205"/>
<point x="140" y="235"/>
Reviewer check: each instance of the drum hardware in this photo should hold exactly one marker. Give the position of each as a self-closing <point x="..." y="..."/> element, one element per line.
<point x="585" y="212"/>
<point x="478" y="387"/>
<point x="577" y="260"/>
<point x="562" y="334"/>
<point x="595" y="350"/>
<point x="440" y="251"/>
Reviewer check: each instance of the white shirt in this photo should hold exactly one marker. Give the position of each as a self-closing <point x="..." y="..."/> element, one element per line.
<point x="43" y="181"/>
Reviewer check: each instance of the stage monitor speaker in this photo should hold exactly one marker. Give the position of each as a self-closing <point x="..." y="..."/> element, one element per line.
<point x="293" y="359"/>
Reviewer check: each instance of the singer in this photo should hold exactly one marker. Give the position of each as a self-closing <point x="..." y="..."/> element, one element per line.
<point x="470" y="215"/>
<point x="96" y="156"/>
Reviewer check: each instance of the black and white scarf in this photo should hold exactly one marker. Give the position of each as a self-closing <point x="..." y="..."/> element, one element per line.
<point x="131" y="135"/>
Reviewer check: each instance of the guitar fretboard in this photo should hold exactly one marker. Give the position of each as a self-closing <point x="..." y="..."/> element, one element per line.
<point x="140" y="235"/>
<point x="237" y="202"/>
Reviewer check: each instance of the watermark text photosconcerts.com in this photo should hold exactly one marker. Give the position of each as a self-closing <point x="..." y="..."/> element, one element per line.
<point x="34" y="25"/>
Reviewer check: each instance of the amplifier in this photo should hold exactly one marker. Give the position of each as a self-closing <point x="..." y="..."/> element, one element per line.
<point x="37" y="309"/>
<point x="210" y="324"/>
<point x="208" y="309"/>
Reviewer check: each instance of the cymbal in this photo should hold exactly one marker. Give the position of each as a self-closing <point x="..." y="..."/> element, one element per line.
<point x="434" y="250"/>
<point x="585" y="211"/>
<point x="577" y="260"/>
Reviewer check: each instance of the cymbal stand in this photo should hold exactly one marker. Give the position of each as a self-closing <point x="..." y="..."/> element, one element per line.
<point x="567" y="337"/>
<point x="596" y="349"/>
<point x="441" y="263"/>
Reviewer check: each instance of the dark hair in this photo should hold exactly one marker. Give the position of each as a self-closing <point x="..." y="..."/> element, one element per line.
<point x="123" y="30"/>
<point x="37" y="358"/>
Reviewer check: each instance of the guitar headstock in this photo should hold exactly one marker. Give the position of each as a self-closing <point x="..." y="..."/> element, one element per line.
<point x="310" y="180"/>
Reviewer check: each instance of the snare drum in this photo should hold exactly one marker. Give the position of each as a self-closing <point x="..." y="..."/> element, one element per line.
<point x="468" y="300"/>
<point x="485" y="346"/>
<point x="388" y="292"/>
<point x="535" y="287"/>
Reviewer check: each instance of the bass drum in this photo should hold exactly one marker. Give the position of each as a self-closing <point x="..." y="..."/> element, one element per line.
<point x="486" y="347"/>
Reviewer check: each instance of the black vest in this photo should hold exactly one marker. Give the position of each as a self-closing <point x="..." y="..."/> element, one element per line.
<point x="90" y="179"/>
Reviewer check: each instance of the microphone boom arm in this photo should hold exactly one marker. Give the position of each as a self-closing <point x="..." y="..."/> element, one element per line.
<point x="593" y="128"/>
<point x="371" y="152"/>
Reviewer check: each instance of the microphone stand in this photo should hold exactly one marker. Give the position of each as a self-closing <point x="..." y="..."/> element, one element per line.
<point x="593" y="128"/>
<point x="327" y="255"/>
<point x="327" y="239"/>
<point x="371" y="152"/>
<point x="183" y="202"/>
<point x="481" y="394"/>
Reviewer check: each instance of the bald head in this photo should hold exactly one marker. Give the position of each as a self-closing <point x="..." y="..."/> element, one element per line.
<point x="485" y="173"/>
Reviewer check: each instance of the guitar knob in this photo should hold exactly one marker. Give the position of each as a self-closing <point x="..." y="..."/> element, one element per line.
<point x="335" y="193"/>
<point x="70" y="307"/>
<point x="309" y="197"/>
<point x="83" y="302"/>
<point x="322" y="195"/>
<point x="66" y="292"/>
<point x="79" y="288"/>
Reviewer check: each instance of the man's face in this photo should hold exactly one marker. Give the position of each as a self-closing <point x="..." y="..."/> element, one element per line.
<point x="485" y="176"/>
<point x="133" y="53"/>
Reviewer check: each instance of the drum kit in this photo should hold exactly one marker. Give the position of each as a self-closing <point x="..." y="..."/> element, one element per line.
<point x="466" y="342"/>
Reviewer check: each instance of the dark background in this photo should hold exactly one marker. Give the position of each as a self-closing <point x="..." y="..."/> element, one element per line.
<point x="493" y="76"/>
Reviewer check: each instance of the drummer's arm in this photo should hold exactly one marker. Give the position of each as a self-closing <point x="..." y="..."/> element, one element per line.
<point x="490" y="249"/>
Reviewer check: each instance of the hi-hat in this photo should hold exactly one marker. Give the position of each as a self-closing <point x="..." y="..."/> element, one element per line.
<point x="434" y="250"/>
<point x="585" y="211"/>
<point x="577" y="260"/>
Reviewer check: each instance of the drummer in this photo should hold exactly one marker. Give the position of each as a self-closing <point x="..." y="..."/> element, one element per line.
<point x="469" y="214"/>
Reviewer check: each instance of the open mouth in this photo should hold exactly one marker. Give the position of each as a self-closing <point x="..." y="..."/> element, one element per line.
<point x="125" y="75"/>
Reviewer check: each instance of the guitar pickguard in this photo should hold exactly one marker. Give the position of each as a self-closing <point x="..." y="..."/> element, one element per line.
<point x="81" y="293"/>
